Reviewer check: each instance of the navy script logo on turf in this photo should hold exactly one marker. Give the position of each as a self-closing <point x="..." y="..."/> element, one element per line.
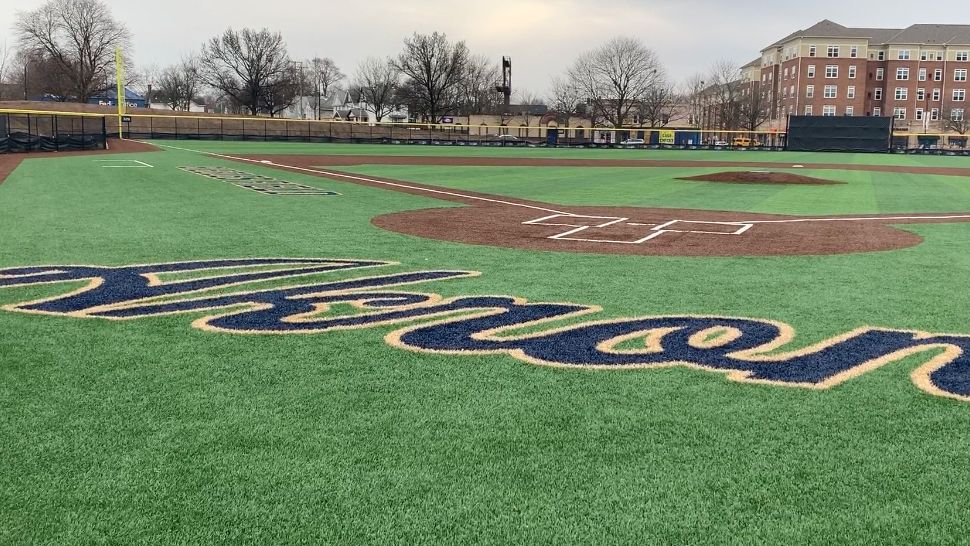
<point x="747" y="350"/>
<point x="256" y="182"/>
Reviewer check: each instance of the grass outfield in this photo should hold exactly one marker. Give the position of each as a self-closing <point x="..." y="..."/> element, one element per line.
<point x="150" y="430"/>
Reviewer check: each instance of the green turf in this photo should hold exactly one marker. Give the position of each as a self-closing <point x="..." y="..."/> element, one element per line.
<point x="152" y="431"/>
<point x="861" y="192"/>
<point x="573" y="153"/>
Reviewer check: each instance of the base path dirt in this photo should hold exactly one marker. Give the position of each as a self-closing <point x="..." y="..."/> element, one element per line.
<point x="10" y="161"/>
<point x="759" y="177"/>
<point x="501" y="221"/>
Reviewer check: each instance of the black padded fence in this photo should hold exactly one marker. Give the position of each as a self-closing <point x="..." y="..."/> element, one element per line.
<point x="26" y="132"/>
<point x="839" y="134"/>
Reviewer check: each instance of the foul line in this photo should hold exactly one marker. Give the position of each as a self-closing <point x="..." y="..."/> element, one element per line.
<point x="371" y="180"/>
<point x="859" y="219"/>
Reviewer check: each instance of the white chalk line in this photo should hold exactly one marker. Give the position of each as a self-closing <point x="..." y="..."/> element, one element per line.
<point x="554" y="211"/>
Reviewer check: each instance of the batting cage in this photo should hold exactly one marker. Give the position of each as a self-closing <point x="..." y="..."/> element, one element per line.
<point x="839" y="134"/>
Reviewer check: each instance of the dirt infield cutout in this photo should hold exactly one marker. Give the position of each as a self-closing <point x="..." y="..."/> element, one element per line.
<point x="501" y="221"/>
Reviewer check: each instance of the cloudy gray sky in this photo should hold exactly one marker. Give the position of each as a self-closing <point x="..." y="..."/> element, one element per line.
<point x="541" y="36"/>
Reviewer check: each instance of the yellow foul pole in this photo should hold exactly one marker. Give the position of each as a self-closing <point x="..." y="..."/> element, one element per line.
<point x="120" y="76"/>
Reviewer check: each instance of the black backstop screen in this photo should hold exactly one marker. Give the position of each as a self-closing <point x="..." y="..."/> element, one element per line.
<point x="839" y="134"/>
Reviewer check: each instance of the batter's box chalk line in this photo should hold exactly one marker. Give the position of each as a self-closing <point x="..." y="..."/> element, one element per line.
<point x="581" y="224"/>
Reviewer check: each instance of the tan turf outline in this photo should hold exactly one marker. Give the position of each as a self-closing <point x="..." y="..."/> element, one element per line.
<point x="96" y="282"/>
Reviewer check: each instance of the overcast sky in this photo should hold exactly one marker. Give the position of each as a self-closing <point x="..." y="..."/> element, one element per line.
<point x="541" y="36"/>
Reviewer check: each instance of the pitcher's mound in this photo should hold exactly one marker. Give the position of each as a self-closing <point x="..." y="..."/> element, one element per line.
<point x="760" y="177"/>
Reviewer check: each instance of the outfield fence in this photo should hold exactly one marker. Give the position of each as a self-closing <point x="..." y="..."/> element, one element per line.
<point x="37" y="130"/>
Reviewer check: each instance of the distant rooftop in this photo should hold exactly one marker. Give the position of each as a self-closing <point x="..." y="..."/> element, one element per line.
<point x="915" y="34"/>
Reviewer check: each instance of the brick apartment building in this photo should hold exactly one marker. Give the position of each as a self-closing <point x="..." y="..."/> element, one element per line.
<point x="918" y="75"/>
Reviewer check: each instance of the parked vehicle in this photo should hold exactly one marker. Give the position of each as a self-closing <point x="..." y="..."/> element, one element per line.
<point x="633" y="142"/>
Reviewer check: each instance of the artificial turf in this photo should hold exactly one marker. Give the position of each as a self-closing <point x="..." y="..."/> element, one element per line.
<point x="152" y="431"/>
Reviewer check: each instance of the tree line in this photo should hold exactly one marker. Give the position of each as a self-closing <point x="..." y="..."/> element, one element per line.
<point x="65" y="51"/>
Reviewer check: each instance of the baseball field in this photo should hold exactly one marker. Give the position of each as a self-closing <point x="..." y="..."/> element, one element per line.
<point x="247" y="342"/>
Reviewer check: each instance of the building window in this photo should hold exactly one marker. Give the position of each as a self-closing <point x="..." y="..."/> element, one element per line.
<point x="852" y="72"/>
<point x="850" y="92"/>
<point x="921" y="94"/>
<point x="877" y="93"/>
<point x="808" y="109"/>
<point x="899" y="113"/>
<point x="812" y="50"/>
<point x="854" y="51"/>
<point x="937" y="95"/>
<point x="960" y="75"/>
<point x="902" y="93"/>
<point x="924" y="55"/>
<point x="919" y="114"/>
<point x="831" y="71"/>
<point x="833" y="51"/>
<point x="810" y="92"/>
<point x="939" y="55"/>
<point x="956" y="114"/>
<point x="828" y="110"/>
<point x="877" y="112"/>
<point x="922" y="74"/>
<point x="831" y="91"/>
<point x="902" y="74"/>
<point x="784" y="93"/>
<point x="938" y="75"/>
<point x="961" y="55"/>
<point x="959" y="95"/>
<point x="935" y="114"/>
<point x="903" y="56"/>
<point x="811" y="71"/>
<point x="849" y="111"/>
<point x="880" y="74"/>
<point x="881" y="56"/>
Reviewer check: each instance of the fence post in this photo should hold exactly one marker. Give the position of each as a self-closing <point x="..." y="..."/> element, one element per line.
<point x="57" y="142"/>
<point x="264" y="130"/>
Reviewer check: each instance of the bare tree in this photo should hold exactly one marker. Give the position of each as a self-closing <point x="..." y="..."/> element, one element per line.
<point x="282" y="92"/>
<point x="615" y="76"/>
<point x="657" y="105"/>
<point x="179" y="85"/>
<point x="433" y="69"/>
<point x="4" y="62"/>
<point x="566" y="100"/>
<point x="43" y="76"/>
<point x="477" y="93"/>
<point x="692" y="90"/>
<point x="79" y="37"/>
<point x="725" y="95"/>
<point x="376" y="82"/>
<point x="955" y="120"/>
<point x="755" y="107"/>
<point x="324" y="74"/>
<point x="246" y="66"/>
